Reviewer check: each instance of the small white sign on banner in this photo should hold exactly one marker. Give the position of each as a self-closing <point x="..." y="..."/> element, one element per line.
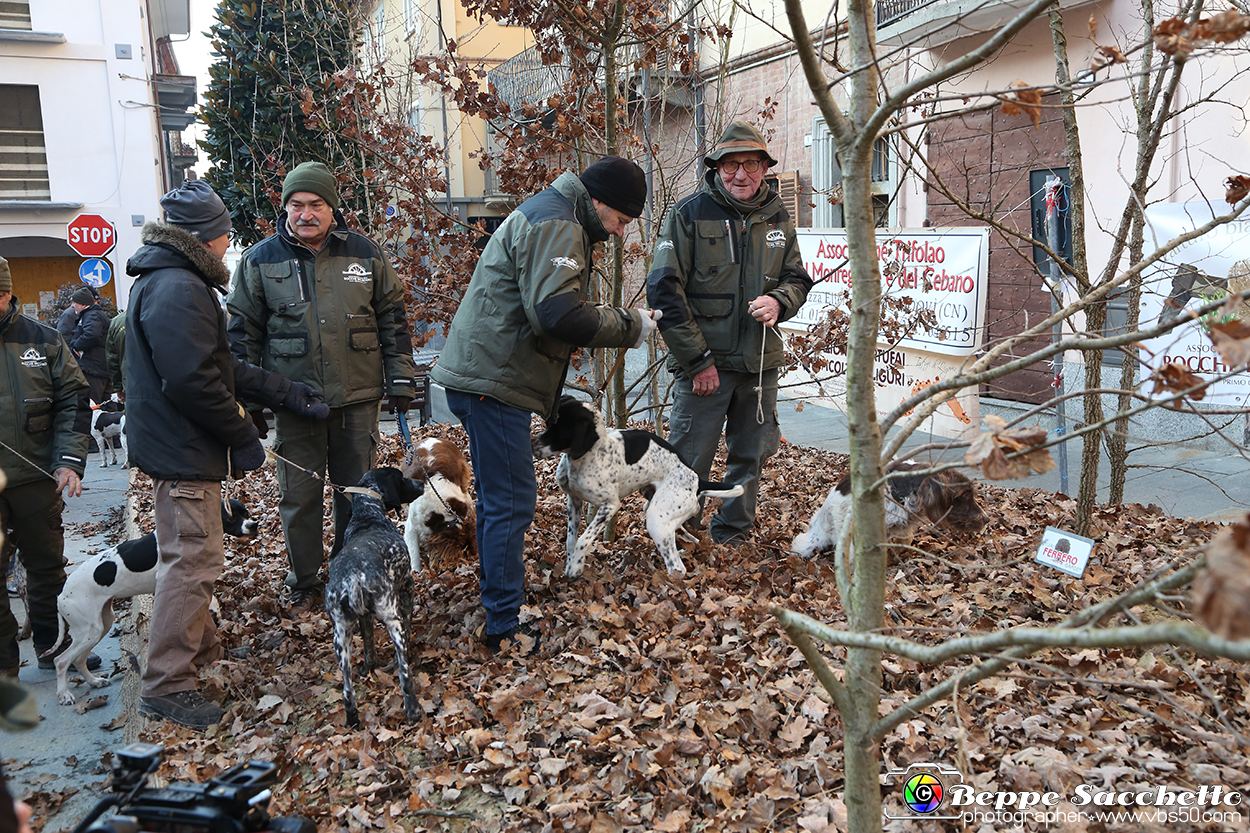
<point x="1064" y="551"/>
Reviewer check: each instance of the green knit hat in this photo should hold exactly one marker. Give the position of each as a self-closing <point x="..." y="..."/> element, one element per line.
<point x="315" y="178"/>
<point x="738" y="137"/>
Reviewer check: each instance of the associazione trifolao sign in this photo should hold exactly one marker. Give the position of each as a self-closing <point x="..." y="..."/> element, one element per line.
<point x="942" y="270"/>
<point x="1204" y="269"/>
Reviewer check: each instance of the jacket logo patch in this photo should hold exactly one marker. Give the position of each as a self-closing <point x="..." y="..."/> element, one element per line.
<point x="357" y="274"/>
<point x="31" y="358"/>
<point x="564" y="261"/>
<point x="775" y="239"/>
<point x="665" y="245"/>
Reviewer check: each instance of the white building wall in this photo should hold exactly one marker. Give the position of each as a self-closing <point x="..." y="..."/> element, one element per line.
<point x="100" y="122"/>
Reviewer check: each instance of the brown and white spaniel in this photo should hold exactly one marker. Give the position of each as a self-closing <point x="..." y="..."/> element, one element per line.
<point x="442" y="523"/>
<point x="946" y="498"/>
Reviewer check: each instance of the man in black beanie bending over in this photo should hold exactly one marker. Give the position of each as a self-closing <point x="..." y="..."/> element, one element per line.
<point x="523" y="315"/>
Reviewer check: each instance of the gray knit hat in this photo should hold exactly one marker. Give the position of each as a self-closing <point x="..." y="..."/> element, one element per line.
<point x="196" y="208"/>
<point x="738" y="137"/>
<point x="315" y="178"/>
<point x="6" y="277"/>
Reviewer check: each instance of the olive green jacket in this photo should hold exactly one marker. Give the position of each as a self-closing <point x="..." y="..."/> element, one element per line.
<point x="525" y="310"/>
<point x="711" y="260"/>
<point x="332" y="319"/>
<point x="39" y="384"/>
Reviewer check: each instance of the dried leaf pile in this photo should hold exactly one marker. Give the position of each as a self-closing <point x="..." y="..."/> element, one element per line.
<point x="677" y="704"/>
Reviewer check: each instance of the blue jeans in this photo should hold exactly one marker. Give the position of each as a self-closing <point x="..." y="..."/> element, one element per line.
<point x="507" y="495"/>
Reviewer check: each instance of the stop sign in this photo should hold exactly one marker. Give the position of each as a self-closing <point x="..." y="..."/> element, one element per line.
<point x="91" y="235"/>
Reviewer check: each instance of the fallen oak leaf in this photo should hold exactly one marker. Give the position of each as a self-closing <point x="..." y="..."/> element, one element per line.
<point x="1236" y="188"/>
<point x="1221" y="594"/>
<point x="1026" y="99"/>
<point x="92" y="704"/>
<point x="1174" y="377"/>
<point x="990" y="451"/>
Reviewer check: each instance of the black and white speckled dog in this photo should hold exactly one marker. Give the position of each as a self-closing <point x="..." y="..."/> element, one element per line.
<point x="85" y="606"/>
<point x="371" y="578"/>
<point x="943" y="498"/>
<point x="599" y="467"/>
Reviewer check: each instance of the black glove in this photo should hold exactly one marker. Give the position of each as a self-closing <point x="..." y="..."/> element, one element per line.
<point x="262" y="424"/>
<point x="400" y="404"/>
<point x="304" y="400"/>
<point x="248" y="455"/>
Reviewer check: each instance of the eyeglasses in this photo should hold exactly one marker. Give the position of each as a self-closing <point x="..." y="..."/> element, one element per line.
<point x="749" y="165"/>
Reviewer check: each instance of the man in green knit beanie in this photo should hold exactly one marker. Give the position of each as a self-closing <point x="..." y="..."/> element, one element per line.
<point x="321" y="304"/>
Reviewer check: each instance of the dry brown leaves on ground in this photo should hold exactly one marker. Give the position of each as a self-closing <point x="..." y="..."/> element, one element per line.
<point x="661" y="703"/>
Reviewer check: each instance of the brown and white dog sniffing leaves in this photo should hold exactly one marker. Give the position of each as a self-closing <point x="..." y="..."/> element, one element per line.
<point x="442" y="523"/>
<point x="943" y="498"/>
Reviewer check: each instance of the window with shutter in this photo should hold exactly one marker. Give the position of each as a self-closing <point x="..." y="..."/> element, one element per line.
<point x="23" y="158"/>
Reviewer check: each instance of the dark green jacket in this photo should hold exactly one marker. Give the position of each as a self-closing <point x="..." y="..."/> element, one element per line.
<point x="711" y="260"/>
<point x="332" y="319"/>
<point x="39" y="384"/>
<point x="525" y="309"/>
<point x="115" y="352"/>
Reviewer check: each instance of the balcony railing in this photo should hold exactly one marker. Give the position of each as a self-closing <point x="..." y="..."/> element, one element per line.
<point x="525" y="79"/>
<point x="889" y="11"/>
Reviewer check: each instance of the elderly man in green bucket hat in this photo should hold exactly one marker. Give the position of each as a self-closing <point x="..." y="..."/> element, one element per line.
<point x="727" y="268"/>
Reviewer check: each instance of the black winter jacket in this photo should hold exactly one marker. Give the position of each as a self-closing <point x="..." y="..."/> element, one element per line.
<point x="88" y="342"/>
<point x="181" y="411"/>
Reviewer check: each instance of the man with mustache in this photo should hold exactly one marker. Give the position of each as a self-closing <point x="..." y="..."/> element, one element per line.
<point x="321" y="304"/>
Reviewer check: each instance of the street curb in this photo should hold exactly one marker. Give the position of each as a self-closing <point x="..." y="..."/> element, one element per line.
<point x="134" y="633"/>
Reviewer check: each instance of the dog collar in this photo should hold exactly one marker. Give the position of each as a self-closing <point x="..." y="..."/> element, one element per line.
<point x="361" y="490"/>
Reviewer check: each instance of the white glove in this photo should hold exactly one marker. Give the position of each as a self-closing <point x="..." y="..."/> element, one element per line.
<point x="649" y="317"/>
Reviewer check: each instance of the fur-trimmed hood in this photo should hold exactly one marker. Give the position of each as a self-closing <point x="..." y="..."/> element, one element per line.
<point x="166" y="246"/>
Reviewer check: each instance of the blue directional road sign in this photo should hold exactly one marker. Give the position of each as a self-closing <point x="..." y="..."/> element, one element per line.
<point x="95" y="272"/>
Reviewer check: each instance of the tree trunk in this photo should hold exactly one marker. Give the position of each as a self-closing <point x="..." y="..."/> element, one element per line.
<point x="1095" y="314"/>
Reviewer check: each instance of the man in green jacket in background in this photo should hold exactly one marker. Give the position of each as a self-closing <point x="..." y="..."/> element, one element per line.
<point x="727" y="268"/>
<point x="115" y="354"/>
<point x="43" y="458"/>
<point x="321" y="304"/>
<point x="508" y="350"/>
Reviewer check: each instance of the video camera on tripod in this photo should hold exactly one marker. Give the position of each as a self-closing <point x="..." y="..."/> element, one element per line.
<point x="236" y="801"/>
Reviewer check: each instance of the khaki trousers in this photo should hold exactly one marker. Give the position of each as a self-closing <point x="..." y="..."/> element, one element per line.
<point x="183" y="636"/>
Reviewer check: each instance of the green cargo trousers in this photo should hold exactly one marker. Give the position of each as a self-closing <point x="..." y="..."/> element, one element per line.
<point x="695" y="430"/>
<point x="31" y="513"/>
<point x="345" y="445"/>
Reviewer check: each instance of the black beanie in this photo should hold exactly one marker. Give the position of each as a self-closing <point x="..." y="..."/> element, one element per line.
<point x="619" y="183"/>
<point x="83" y="296"/>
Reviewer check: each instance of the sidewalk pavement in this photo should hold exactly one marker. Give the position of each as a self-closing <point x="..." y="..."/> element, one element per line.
<point x="67" y="751"/>
<point x="1184" y="483"/>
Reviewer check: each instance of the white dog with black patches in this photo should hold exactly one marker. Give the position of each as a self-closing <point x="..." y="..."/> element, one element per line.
<point x="85" y="606"/>
<point x="601" y="466"/>
<point x="108" y="422"/>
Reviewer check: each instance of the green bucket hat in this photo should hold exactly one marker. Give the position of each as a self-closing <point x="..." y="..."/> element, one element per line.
<point x="738" y="137"/>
